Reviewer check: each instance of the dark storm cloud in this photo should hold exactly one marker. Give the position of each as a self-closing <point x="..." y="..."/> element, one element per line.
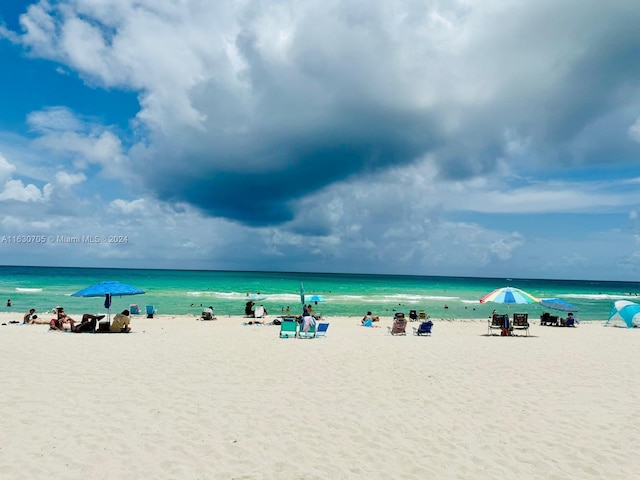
<point x="246" y="109"/>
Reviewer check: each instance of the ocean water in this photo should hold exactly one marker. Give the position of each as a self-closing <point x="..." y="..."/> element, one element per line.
<point x="188" y="291"/>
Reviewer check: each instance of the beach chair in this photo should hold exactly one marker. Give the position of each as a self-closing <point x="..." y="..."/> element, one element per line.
<point x="422" y="315"/>
<point x="207" y="315"/>
<point x="151" y="311"/>
<point x="424" y="329"/>
<point x="413" y="315"/>
<point x="552" y="320"/>
<point x="134" y="309"/>
<point x="258" y="312"/>
<point x="321" y="330"/>
<point x="288" y="328"/>
<point x="399" y="326"/>
<point x="521" y="322"/>
<point x="497" y="322"/>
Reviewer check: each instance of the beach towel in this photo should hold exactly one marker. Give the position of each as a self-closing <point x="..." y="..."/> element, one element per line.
<point x="307" y="322"/>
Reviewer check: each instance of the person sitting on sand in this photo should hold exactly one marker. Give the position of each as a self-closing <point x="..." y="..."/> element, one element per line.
<point x="121" y="322"/>
<point x="570" y="321"/>
<point x="28" y="315"/>
<point x="370" y="317"/>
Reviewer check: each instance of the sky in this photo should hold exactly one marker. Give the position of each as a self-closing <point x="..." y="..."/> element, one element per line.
<point x="462" y="138"/>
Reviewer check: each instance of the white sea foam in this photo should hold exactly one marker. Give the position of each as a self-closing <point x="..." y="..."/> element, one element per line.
<point x="27" y="290"/>
<point x="599" y="296"/>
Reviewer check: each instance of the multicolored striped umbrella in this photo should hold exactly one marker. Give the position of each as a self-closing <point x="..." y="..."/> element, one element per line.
<point x="509" y="295"/>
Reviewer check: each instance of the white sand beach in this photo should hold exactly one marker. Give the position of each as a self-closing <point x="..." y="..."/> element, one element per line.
<point x="185" y="399"/>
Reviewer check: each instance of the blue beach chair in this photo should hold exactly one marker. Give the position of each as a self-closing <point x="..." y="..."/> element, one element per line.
<point x="150" y="311"/>
<point x="424" y="329"/>
<point x="321" y="331"/>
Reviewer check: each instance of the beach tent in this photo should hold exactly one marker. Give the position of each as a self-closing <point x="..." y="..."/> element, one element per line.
<point x="624" y="314"/>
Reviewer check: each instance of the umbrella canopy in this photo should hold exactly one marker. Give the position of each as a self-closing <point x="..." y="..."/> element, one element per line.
<point x="315" y="298"/>
<point x="558" y="304"/>
<point x="108" y="288"/>
<point x="625" y="312"/>
<point x="509" y="295"/>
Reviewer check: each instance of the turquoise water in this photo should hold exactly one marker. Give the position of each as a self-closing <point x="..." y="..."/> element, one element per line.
<point x="186" y="292"/>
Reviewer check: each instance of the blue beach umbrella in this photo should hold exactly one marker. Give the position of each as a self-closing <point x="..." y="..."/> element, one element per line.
<point x="558" y="304"/>
<point x="316" y="298"/>
<point x="108" y="290"/>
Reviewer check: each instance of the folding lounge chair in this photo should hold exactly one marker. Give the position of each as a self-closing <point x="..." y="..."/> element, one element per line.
<point x="521" y="322"/>
<point x="413" y="316"/>
<point x="134" y="309"/>
<point x="150" y="311"/>
<point x="321" y="329"/>
<point x="496" y="322"/>
<point x="546" y="319"/>
<point x="288" y="328"/>
<point x="422" y="315"/>
<point x="424" y="329"/>
<point x="259" y="312"/>
<point x="399" y="326"/>
<point x="207" y="315"/>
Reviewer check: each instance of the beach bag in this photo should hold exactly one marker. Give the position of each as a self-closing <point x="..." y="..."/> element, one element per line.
<point x="277" y="321"/>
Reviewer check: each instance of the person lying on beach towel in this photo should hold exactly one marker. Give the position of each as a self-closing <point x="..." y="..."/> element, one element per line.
<point x="35" y="319"/>
<point x="88" y="323"/>
<point x="65" y="323"/>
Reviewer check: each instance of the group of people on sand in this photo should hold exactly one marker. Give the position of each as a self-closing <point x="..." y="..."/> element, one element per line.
<point x="64" y="323"/>
<point x="307" y="319"/>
